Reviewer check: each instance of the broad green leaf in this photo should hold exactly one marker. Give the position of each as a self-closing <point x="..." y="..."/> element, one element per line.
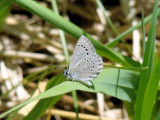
<point x="119" y="83"/>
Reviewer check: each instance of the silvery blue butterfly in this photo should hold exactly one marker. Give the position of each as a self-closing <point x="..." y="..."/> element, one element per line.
<point x="85" y="64"/>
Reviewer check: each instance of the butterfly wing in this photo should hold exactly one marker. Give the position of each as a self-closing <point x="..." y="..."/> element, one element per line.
<point x="85" y="64"/>
<point x="83" y="48"/>
<point x="87" y="68"/>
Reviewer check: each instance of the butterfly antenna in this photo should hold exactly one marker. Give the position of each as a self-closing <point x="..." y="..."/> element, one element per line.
<point x="55" y="67"/>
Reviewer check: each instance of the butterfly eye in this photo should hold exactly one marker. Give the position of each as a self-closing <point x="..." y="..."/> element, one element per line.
<point x="65" y="72"/>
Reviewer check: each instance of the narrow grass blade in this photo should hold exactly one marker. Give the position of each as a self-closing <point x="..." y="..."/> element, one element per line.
<point x="157" y="108"/>
<point x="156" y="111"/>
<point x="143" y="34"/>
<point x="129" y="108"/>
<point x="150" y="93"/>
<point x="100" y="5"/>
<point x="62" y="36"/>
<point x="126" y="68"/>
<point x="147" y="62"/>
<point x="110" y="23"/>
<point x="4" y="10"/>
<point x="66" y="54"/>
<point x="44" y="104"/>
<point x="118" y="38"/>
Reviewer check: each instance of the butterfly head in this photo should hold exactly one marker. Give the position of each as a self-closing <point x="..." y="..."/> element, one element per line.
<point x="68" y="75"/>
<point x="65" y="72"/>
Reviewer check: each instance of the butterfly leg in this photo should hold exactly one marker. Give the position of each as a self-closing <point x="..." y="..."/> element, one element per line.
<point x="89" y="83"/>
<point x="67" y="78"/>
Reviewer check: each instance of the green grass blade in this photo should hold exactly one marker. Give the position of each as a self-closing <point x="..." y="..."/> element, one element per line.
<point x="143" y="34"/>
<point x="157" y="108"/>
<point x="126" y="68"/>
<point x="106" y="83"/>
<point x="118" y="38"/>
<point x="100" y="5"/>
<point x="73" y="30"/>
<point x="158" y="115"/>
<point x="63" y="39"/>
<point x="51" y="17"/>
<point x="147" y="62"/>
<point x="150" y="93"/>
<point x="129" y="108"/>
<point x="110" y="23"/>
<point x="156" y="112"/>
<point x="74" y="94"/>
<point x="44" y="104"/>
<point x="4" y="9"/>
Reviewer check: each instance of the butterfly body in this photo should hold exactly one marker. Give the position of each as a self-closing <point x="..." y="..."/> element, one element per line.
<point x="85" y="64"/>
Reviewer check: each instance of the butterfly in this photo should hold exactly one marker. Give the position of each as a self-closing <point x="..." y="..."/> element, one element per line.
<point x="85" y="64"/>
